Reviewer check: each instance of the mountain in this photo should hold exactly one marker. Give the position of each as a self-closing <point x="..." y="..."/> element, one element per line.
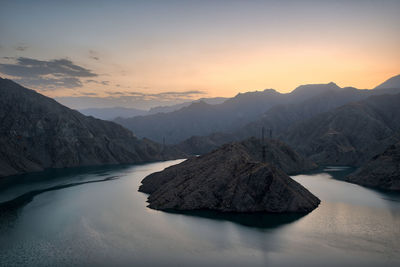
<point x="278" y="119"/>
<point x="199" y="145"/>
<point x="200" y="118"/>
<point x="309" y="90"/>
<point x="393" y="82"/>
<point x="38" y="133"/>
<point x="112" y="113"/>
<point x="382" y="171"/>
<point x="350" y="134"/>
<point x="167" y="109"/>
<point x="230" y="179"/>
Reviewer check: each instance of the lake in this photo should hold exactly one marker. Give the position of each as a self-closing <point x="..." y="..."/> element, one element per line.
<point x="57" y="218"/>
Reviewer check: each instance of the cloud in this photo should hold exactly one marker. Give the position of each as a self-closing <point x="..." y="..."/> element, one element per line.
<point x="98" y="82"/>
<point x="93" y="55"/>
<point x="163" y="96"/>
<point x="46" y="75"/>
<point x="21" y="47"/>
<point x="89" y="94"/>
<point x="47" y="84"/>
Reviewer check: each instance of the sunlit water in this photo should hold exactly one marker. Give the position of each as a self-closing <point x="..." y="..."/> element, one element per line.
<point x="108" y="224"/>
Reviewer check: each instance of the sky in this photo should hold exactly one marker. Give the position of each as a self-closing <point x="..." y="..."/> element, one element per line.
<point x="146" y="53"/>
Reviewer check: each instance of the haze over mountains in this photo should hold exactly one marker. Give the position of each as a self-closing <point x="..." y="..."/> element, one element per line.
<point x="323" y="123"/>
<point x="112" y="113"/>
<point x="39" y="133"/>
<point x="245" y="114"/>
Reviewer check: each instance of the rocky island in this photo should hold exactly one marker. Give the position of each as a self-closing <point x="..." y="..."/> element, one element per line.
<point x="231" y="179"/>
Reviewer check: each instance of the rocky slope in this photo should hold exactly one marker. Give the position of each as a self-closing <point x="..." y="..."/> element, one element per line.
<point x="228" y="179"/>
<point x="36" y="133"/>
<point x="280" y="118"/>
<point x="382" y="171"/>
<point x="200" y="118"/>
<point x="350" y="134"/>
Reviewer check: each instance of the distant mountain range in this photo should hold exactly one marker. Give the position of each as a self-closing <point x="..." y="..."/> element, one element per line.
<point x="123" y="112"/>
<point x="200" y="118"/>
<point x="245" y="114"/>
<point x="323" y="123"/>
<point x="39" y="133"/>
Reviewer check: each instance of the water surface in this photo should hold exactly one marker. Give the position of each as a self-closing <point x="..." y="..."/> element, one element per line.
<point x="61" y="220"/>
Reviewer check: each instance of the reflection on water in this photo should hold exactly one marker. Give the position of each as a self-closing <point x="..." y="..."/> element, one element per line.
<point x="68" y="221"/>
<point x="256" y="220"/>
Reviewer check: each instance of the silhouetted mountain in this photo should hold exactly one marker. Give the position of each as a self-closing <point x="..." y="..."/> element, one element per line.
<point x="350" y="134"/>
<point x="393" y="82"/>
<point x="112" y="113"/>
<point x="198" y="145"/>
<point x="382" y="171"/>
<point x="202" y="119"/>
<point x="38" y="133"/>
<point x="232" y="179"/>
<point x="167" y="109"/>
<point x="278" y="119"/>
<point x="309" y="90"/>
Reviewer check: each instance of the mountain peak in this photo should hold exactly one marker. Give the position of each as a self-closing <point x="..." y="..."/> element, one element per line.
<point x="309" y="90"/>
<point x="393" y="82"/>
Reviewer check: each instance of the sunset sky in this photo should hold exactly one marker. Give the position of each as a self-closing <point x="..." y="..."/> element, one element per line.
<point x="169" y="50"/>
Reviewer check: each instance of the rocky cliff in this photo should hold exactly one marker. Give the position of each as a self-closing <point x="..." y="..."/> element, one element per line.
<point x="36" y="133"/>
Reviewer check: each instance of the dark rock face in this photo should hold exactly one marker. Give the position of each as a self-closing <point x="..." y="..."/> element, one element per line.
<point x="228" y="180"/>
<point x="382" y="171"/>
<point x="350" y="134"/>
<point x="281" y="118"/>
<point x="36" y="133"/>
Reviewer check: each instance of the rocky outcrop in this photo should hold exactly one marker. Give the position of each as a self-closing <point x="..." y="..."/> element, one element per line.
<point x="228" y="179"/>
<point x="37" y="133"/>
<point x="382" y="171"/>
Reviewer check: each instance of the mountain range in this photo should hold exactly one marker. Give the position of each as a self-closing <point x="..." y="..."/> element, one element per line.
<point x="245" y="114"/>
<point x="112" y="113"/>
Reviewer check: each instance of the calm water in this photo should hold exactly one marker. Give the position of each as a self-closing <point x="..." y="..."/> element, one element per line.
<point x="107" y="223"/>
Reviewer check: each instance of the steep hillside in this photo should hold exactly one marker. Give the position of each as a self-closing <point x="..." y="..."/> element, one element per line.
<point x="36" y="133"/>
<point x="350" y="134"/>
<point x="382" y="171"/>
<point x="199" y="118"/>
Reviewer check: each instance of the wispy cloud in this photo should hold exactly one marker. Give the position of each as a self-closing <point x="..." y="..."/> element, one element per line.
<point x="94" y="55"/>
<point x="163" y="96"/>
<point x="98" y="82"/>
<point x="46" y="75"/>
<point x="21" y="48"/>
